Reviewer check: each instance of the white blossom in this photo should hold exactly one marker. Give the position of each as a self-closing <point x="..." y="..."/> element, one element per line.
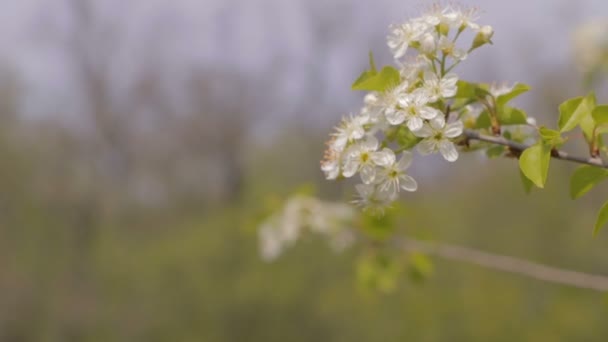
<point x="349" y="130"/>
<point x="449" y="48"/>
<point x="403" y="35"/>
<point x="363" y="157"/>
<point x="393" y="176"/>
<point x="413" y="111"/>
<point x="440" y="88"/>
<point x="371" y="198"/>
<point x="437" y="138"/>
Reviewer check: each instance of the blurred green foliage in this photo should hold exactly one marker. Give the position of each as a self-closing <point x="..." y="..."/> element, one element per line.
<point x="71" y="270"/>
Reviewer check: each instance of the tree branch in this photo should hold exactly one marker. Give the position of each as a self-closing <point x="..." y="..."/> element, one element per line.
<point x="519" y="147"/>
<point x="507" y="264"/>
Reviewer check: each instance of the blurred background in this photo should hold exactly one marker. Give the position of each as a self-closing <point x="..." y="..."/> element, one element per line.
<point x="141" y="142"/>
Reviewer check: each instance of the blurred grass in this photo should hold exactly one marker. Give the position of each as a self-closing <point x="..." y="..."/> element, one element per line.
<point x="189" y="273"/>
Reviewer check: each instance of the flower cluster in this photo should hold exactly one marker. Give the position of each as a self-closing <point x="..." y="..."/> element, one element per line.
<point x="302" y="213"/>
<point x="412" y="109"/>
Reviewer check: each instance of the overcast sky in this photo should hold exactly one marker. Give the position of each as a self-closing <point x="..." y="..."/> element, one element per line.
<point x="280" y="40"/>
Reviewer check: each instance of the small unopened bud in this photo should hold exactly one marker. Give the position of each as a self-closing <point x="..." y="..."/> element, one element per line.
<point x="484" y="36"/>
<point x="444" y="29"/>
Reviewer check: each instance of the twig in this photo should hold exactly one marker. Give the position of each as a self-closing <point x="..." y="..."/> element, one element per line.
<point x="558" y="154"/>
<point x="508" y="264"/>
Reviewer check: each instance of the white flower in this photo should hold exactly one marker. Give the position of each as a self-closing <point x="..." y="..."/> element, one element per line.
<point x="413" y="110"/>
<point x="427" y="44"/>
<point x="438" y="14"/>
<point x="363" y="158"/>
<point x="413" y="66"/>
<point x="393" y="177"/>
<point x="437" y="138"/>
<point x="436" y="88"/>
<point x="349" y="130"/>
<point x="448" y="47"/>
<point x="403" y="35"/>
<point x="463" y="18"/>
<point x="330" y="165"/>
<point x="370" y="198"/>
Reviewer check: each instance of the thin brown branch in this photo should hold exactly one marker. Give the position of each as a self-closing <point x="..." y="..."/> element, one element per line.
<point x="519" y="147"/>
<point x="508" y="264"/>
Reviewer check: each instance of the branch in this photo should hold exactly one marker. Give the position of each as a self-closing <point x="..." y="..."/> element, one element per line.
<point x="519" y="147"/>
<point x="508" y="264"/>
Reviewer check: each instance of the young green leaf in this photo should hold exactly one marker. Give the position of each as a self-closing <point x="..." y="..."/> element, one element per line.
<point x="387" y="77"/>
<point x="550" y="137"/>
<point x="534" y="163"/>
<point x="600" y="114"/>
<point x="511" y="116"/>
<point x="483" y="120"/>
<point x="517" y="90"/>
<point x="602" y="218"/>
<point x="573" y="111"/>
<point x="585" y="178"/>
<point x="526" y="182"/>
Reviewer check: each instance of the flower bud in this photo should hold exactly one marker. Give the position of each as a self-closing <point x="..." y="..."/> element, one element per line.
<point x="484" y="36"/>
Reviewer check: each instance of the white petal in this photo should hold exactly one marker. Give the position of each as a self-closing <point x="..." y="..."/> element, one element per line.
<point x="449" y="79"/>
<point x="365" y="190"/>
<point x="408" y="183"/>
<point x="368" y="174"/>
<point x="438" y="122"/>
<point x="426" y="146"/>
<point x="454" y="129"/>
<point x="428" y="113"/>
<point x="350" y="167"/>
<point x="405" y="161"/>
<point x="414" y="123"/>
<point x="448" y="151"/>
<point x="370" y="143"/>
<point x="394" y="117"/>
<point x="424" y="132"/>
<point x="383" y="158"/>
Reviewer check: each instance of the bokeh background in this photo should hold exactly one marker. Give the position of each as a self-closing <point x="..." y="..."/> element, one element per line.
<point x="141" y="142"/>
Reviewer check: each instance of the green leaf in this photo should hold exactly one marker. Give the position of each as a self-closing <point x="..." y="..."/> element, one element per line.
<point x="600" y="114"/>
<point x="495" y="151"/>
<point x="420" y="267"/>
<point x="526" y="182"/>
<point x="550" y="137"/>
<point x="387" y="77"/>
<point x="483" y="120"/>
<point x="511" y="116"/>
<point x="585" y="178"/>
<point x="517" y="90"/>
<point x="534" y="163"/>
<point x="573" y="111"/>
<point x="602" y="218"/>
<point x="470" y="90"/>
<point x="406" y="139"/>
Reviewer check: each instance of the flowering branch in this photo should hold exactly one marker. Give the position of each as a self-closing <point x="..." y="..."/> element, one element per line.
<point x="508" y="264"/>
<point x="518" y="148"/>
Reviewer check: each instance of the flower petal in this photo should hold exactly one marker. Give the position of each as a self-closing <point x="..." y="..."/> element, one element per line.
<point x="351" y="165"/>
<point x="448" y="151"/>
<point x="368" y="174"/>
<point x="383" y="158"/>
<point x="454" y="129"/>
<point x="405" y="161"/>
<point x="414" y="123"/>
<point x="438" y="122"/>
<point x="408" y="183"/>
<point x="394" y="117"/>
<point x="424" y="132"/>
<point x="426" y="146"/>
<point x="428" y="113"/>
